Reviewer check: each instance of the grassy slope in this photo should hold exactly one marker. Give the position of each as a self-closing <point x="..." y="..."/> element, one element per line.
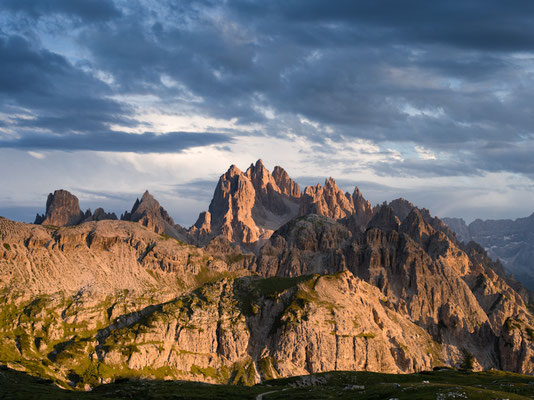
<point x="446" y="384"/>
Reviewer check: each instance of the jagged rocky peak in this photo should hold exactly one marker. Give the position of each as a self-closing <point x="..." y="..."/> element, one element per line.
<point x="247" y="206"/>
<point x="62" y="209"/>
<point x="385" y="219"/>
<point x="363" y="212"/>
<point x="261" y="178"/>
<point x="287" y="185"/>
<point x="100" y="214"/>
<point x="329" y="201"/>
<point x="148" y="212"/>
<point x="401" y="207"/>
<point x="415" y="226"/>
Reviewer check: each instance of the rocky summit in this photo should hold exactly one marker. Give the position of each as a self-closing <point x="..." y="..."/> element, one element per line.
<point x="269" y="283"/>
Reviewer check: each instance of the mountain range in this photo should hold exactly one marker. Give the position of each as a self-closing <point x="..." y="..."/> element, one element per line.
<point x="510" y="241"/>
<point x="270" y="282"/>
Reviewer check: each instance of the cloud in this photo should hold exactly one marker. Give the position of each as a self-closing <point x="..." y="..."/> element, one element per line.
<point x="42" y="90"/>
<point x="425" y="154"/>
<point x="148" y="142"/>
<point x="86" y="10"/>
<point x="410" y="90"/>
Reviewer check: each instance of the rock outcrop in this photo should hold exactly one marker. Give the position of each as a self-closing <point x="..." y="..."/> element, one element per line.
<point x="148" y="212"/>
<point x="422" y="273"/>
<point x="330" y="201"/>
<point x="62" y="209"/>
<point x="248" y="206"/>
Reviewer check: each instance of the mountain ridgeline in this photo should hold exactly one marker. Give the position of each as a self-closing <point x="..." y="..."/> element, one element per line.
<point x="510" y="241"/>
<point x="270" y="282"/>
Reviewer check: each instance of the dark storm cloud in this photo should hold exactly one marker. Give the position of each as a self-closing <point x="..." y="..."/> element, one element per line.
<point x="172" y="142"/>
<point x="87" y="10"/>
<point x="52" y="93"/>
<point x="444" y="75"/>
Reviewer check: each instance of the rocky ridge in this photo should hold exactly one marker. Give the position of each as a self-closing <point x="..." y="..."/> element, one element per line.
<point x="348" y="287"/>
<point x="511" y="241"/>
<point x="148" y="212"/>
<point x="247" y="207"/>
<point x="455" y="296"/>
<point x="63" y="209"/>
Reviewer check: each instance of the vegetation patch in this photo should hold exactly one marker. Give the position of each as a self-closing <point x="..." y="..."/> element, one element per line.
<point x="367" y="335"/>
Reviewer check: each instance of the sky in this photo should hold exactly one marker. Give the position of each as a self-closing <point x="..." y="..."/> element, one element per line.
<point x="430" y="101"/>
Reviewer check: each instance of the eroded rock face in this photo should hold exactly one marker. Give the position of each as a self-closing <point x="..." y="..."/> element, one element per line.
<point x="329" y="201"/>
<point x="62" y="209"/>
<point x="286" y="185"/>
<point x="148" y="212"/>
<point x="423" y="274"/>
<point x="248" y="206"/>
<point x="232" y="330"/>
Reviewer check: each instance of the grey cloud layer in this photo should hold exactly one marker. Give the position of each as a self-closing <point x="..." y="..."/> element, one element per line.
<point x="444" y="75"/>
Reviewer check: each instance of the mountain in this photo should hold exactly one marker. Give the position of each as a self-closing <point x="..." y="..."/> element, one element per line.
<point x="511" y="241"/>
<point x="148" y="212"/>
<point x="63" y="209"/>
<point x="332" y="285"/>
<point x="248" y="206"/>
<point x="422" y="274"/>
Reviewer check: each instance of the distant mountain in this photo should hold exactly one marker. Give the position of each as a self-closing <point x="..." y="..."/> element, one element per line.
<point x="63" y="209"/>
<point x="511" y="241"/>
<point x="148" y="212"/>
<point x="247" y="207"/>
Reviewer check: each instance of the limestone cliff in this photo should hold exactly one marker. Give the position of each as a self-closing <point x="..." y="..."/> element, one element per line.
<point x="422" y="273"/>
<point x="248" y="206"/>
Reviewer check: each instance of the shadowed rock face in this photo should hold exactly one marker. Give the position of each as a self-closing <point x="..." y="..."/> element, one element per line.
<point x="62" y="209"/>
<point x="423" y="274"/>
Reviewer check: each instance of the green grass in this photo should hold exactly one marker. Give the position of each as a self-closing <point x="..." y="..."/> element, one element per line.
<point x="333" y="385"/>
<point x="7" y="246"/>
